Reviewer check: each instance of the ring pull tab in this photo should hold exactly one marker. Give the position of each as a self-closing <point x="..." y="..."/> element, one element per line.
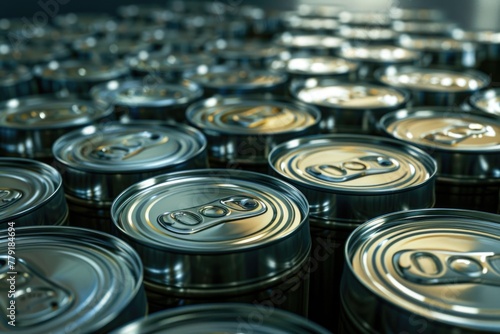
<point x="433" y="267"/>
<point x="202" y="217"/>
<point x="354" y="169"/>
<point x="455" y="134"/>
<point x="254" y="117"/>
<point x="9" y="197"/>
<point x="37" y="298"/>
<point x="125" y="147"/>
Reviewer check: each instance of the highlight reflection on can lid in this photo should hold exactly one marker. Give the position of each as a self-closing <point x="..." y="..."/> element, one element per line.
<point x="24" y="186"/>
<point x="236" y="49"/>
<point x="440" y="266"/>
<point x="138" y="146"/>
<point x="165" y="61"/>
<point x="315" y="65"/>
<point x="50" y="112"/>
<point x="317" y="41"/>
<point x="214" y="211"/>
<point x="378" y="54"/>
<point x="351" y="164"/>
<point x="422" y="27"/>
<point x="348" y="95"/>
<point x="70" y="278"/>
<point x="82" y="70"/>
<point x="311" y="24"/>
<point x="487" y="101"/>
<point x="443" y="44"/>
<point x="427" y="79"/>
<point x="367" y="34"/>
<point x="445" y="130"/>
<point x="366" y="18"/>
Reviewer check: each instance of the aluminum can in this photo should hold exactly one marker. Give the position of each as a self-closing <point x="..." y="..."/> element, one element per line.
<point x="364" y="19"/>
<point x="348" y="107"/>
<point x="107" y="49"/>
<point x="347" y="180"/>
<point x="142" y="99"/>
<point x="313" y="25"/>
<point x="31" y="55"/>
<point x="422" y="271"/>
<point x="30" y="125"/>
<point x="424" y="28"/>
<point x="486" y="102"/>
<point x="416" y="14"/>
<point x="230" y="318"/>
<point x="218" y="235"/>
<point x="70" y="280"/>
<point x="309" y="44"/>
<point x="434" y="86"/>
<point x="242" y="131"/>
<point x="16" y="81"/>
<point x="366" y="36"/>
<point x="31" y="194"/>
<point x="466" y="148"/>
<point x="316" y="66"/>
<point x="173" y="41"/>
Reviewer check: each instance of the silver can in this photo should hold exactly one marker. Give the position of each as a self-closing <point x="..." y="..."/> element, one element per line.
<point x="416" y="14"/>
<point x="365" y="36"/>
<point x="309" y="44"/>
<point x="149" y="100"/>
<point x="218" y="235"/>
<point x="364" y="18"/>
<point x="466" y="148"/>
<point x="241" y="81"/>
<point x="422" y="271"/>
<point x="31" y="193"/>
<point x="348" y="179"/>
<point x="99" y="162"/>
<point x="16" y="81"/>
<point x="317" y="66"/>
<point x="30" y="125"/>
<point x="172" y="41"/>
<point x="88" y="22"/>
<point x="373" y="57"/>
<point x="348" y="107"/>
<point x="228" y="318"/>
<point x="77" y="76"/>
<point x="242" y="131"/>
<point x="486" y="102"/>
<point x="31" y="55"/>
<point x="424" y="28"/>
<point x="108" y="49"/>
<point x="313" y="25"/>
<point x="434" y="86"/>
<point x="68" y="280"/>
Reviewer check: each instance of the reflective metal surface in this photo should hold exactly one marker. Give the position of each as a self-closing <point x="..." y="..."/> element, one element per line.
<point x="363" y="35"/>
<point x="30" y="55"/>
<point x="351" y="178"/>
<point x="72" y="278"/>
<point x="435" y="267"/>
<point x="364" y="18"/>
<point x="310" y="66"/>
<point x="424" y="28"/>
<point x="31" y="194"/>
<point x="16" y="81"/>
<point x="108" y="49"/>
<point x="416" y="14"/>
<point x="314" y="44"/>
<point x="311" y="24"/>
<point x="486" y="102"/>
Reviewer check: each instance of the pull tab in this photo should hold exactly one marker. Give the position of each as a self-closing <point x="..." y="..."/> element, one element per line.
<point x="199" y="218"/>
<point x="353" y="169"/>
<point x="432" y="267"/>
<point x="254" y="117"/>
<point x="457" y="133"/>
<point x="128" y="146"/>
<point x="37" y="298"/>
<point x="9" y="197"/>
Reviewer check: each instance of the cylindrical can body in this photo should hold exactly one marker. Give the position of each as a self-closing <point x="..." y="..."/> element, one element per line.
<point x="15" y="82"/>
<point x="218" y="235"/>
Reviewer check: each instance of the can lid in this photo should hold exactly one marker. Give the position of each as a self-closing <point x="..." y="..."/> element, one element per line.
<point x="433" y="79"/>
<point x="311" y="24"/>
<point x="235" y="78"/>
<point x="69" y="278"/>
<point x="49" y="112"/>
<point x="378" y="54"/>
<point x="289" y="40"/>
<point x="222" y="318"/>
<point x="416" y="14"/>
<point x="252" y="116"/>
<point x="25" y="185"/>
<point x="368" y="18"/>
<point x="315" y="66"/>
<point x="140" y="93"/>
<point x="14" y="75"/>
<point x="325" y="11"/>
<point x="352" y="164"/>
<point x="331" y="93"/>
<point x="487" y="101"/>
<point x="164" y="62"/>
<point x="237" y="49"/>
<point x="436" y="263"/>
<point x="443" y="129"/>
<point x="102" y="46"/>
<point x="443" y="44"/>
<point x="419" y="27"/>
<point x="118" y="147"/>
<point x="367" y="34"/>
<point x="31" y="54"/>
<point x="81" y="70"/>
<point x="212" y="211"/>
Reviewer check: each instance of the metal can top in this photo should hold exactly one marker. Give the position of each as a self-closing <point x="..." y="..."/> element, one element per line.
<point x="25" y="186"/>
<point x="433" y="79"/>
<point x="154" y="62"/>
<point x="31" y="54"/>
<point x="237" y="78"/>
<point x="352" y="164"/>
<point x="337" y="94"/>
<point x="479" y="36"/>
<point x="10" y="76"/>
<point x="367" y="34"/>
<point x="109" y="46"/>
<point x="327" y="11"/>
<point x="173" y="39"/>
<point x="244" y="116"/>
<point x="315" y="65"/>
<point x="311" y="24"/>
<point x="438" y="264"/>
<point x="91" y="22"/>
<point x="222" y="318"/>
<point x="487" y="101"/>
<point x="419" y="27"/>
<point x="213" y="211"/>
<point x="366" y="18"/>
<point x="379" y="54"/>
<point x="70" y="278"/>
<point x="443" y="44"/>
<point x="139" y="93"/>
<point x="416" y="14"/>
<point x="444" y="129"/>
<point x="238" y="49"/>
<point x="81" y="70"/>
<point x="139" y="146"/>
<point x="50" y="112"/>
<point x="316" y="41"/>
